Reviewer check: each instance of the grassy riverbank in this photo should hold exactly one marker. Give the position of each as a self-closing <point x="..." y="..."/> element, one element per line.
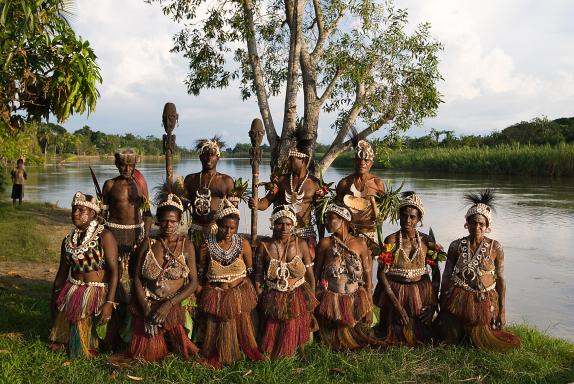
<point x="24" y="327"/>
<point x="543" y="160"/>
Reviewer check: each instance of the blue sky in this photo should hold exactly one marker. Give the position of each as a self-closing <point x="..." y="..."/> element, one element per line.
<point x="503" y="62"/>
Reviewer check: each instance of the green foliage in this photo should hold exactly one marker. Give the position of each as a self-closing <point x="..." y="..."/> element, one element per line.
<point x="45" y="68"/>
<point x="353" y="58"/>
<point x="546" y="160"/>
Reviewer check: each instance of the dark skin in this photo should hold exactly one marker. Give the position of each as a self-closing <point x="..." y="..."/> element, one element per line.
<point x="220" y="187"/>
<point x="121" y="196"/>
<point x="81" y="217"/>
<point x="477" y="226"/>
<point x="168" y="223"/>
<point x="340" y="229"/>
<point x="285" y="243"/>
<point x="409" y="219"/>
<point x="298" y="168"/>
<point x="227" y="227"/>
<point x="363" y="180"/>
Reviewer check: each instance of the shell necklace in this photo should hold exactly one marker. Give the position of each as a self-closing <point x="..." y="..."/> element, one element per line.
<point x="295" y="197"/>
<point x="91" y="236"/>
<point x="202" y="202"/>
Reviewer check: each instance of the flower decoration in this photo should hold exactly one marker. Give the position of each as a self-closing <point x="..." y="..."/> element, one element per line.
<point x="387" y="256"/>
<point x="435" y="254"/>
<point x="272" y="185"/>
<point x="324" y="283"/>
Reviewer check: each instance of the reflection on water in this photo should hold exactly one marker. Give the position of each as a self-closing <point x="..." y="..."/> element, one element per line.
<point x="534" y="222"/>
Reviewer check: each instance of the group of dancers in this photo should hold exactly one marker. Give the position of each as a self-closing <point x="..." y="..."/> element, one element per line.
<point x="205" y="293"/>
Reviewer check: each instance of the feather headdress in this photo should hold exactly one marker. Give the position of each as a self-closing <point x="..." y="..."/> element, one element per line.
<point x="171" y="194"/>
<point x="212" y="145"/>
<point x="363" y="150"/>
<point x="481" y="203"/>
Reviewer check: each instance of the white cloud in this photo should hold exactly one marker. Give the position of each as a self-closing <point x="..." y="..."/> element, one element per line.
<point x="502" y="63"/>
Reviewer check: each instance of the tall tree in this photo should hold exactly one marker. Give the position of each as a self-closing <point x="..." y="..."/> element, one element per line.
<point x="44" y="67"/>
<point x="353" y="58"/>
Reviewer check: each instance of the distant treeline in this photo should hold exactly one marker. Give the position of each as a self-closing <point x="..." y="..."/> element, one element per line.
<point x="53" y="139"/>
<point x="538" y="131"/>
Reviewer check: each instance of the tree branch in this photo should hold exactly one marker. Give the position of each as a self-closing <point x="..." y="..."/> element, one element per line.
<point x="327" y="93"/>
<point x="258" y="79"/>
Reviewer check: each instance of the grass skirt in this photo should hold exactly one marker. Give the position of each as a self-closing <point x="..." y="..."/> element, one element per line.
<point x="287" y="317"/>
<point x="228" y="325"/>
<point x="341" y="319"/>
<point x="465" y="316"/>
<point x="172" y="336"/>
<point x="413" y="297"/>
<point x="75" y="326"/>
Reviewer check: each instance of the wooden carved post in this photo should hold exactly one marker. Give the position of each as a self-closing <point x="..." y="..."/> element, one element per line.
<point x="256" y="134"/>
<point x="169" y="119"/>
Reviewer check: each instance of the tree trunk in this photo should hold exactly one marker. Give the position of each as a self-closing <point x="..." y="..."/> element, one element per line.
<point x="258" y="78"/>
<point x="279" y="153"/>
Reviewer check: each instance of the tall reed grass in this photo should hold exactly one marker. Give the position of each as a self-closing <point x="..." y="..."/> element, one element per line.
<point x="534" y="160"/>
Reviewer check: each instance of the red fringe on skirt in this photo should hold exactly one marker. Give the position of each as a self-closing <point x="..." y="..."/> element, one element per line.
<point x="347" y="309"/>
<point x="341" y="320"/>
<point x="466" y="315"/>
<point x="287" y="317"/>
<point x="228" y="326"/>
<point x="413" y="298"/>
<point x="172" y="334"/>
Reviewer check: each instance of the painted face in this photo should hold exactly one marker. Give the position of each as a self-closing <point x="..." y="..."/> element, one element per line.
<point x="333" y="222"/>
<point x="168" y="222"/>
<point x="227" y="227"/>
<point x="295" y="164"/>
<point x="126" y="169"/>
<point x="81" y="216"/>
<point x="409" y="217"/>
<point x="362" y="166"/>
<point x="477" y="225"/>
<point x="282" y="227"/>
<point x="208" y="160"/>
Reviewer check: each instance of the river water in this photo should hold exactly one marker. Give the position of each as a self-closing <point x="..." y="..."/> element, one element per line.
<point x="534" y="222"/>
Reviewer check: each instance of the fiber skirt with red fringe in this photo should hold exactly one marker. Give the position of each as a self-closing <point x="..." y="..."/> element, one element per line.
<point x="466" y="306"/>
<point x="466" y="315"/>
<point x="344" y="308"/>
<point x="78" y="305"/>
<point x="228" y="325"/>
<point x="341" y="319"/>
<point x="172" y="336"/>
<point x="287" y="317"/>
<point x="413" y="297"/>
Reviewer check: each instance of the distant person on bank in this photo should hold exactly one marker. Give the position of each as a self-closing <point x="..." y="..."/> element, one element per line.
<point x="18" y="175"/>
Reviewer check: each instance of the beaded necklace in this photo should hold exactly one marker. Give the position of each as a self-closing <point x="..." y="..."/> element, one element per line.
<point x="91" y="236"/>
<point x="224" y="257"/>
<point x="295" y="198"/>
<point x="417" y="249"/>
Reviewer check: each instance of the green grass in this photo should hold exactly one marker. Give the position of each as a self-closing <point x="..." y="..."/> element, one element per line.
<point x="24" y="357"/>
<point x="543" y="160"/>
<point x="32" y="231"/>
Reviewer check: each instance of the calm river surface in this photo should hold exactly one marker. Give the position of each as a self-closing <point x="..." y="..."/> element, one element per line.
<point x="534" y="222"/>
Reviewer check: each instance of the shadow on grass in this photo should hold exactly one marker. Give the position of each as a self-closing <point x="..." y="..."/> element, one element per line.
<point x="24" y="305"/>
